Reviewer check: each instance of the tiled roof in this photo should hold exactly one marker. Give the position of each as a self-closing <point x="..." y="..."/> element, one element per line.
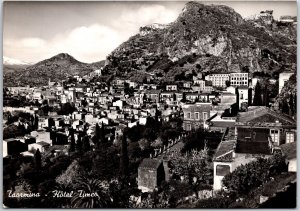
<point x="222" y="124"/>
<point x="150" y="163"/>
<point x="43" y="143"/>
<point x="225" y="158"/>
<point x="261" y="114"/>
<point x="224" y="148"/>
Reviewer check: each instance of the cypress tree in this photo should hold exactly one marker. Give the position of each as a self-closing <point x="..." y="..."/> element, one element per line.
<point x="266" y="97"/>
<point x="86" y="144"/>
<point x="285" y="107"/>
<point x="38" y="159"/>
<point x="97" y="135"/>
<point x="102" y="134"/>
<point x="72" y="144"/>
<point x="124" y="159"/>
<point x="257" y="101"/>
<point x="79" y="144"/>
<point x="36" y="122"/>
<point x="291" y="104"/>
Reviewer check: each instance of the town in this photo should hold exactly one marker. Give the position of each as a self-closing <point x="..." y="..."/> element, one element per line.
<point x="217" y="140"/>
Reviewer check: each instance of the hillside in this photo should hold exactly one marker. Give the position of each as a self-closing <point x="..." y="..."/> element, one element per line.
<point x="206" y="38"/>
<point x="56" y="68"/>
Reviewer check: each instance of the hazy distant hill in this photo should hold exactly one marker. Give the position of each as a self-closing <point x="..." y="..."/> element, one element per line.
<point x="56" y="68"/>
<point x="206" y="38"/>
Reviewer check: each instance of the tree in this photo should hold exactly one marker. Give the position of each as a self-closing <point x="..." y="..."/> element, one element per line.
<point x="72" y="141"/>
<point x="72" y="173"/>
<point x="124" y="159"/>
<point x="134" y="150"/>
<point x="96" y="137"/>
<point x="285" y="108"/>
<point x="246" y="177"/>
<point x="38" y="159"/>
<point x="266" y="95"/>
<point x="36" y="122"/>
<point x="102" y="133"/>
<point x="86" y="144"/>
<point x="291" y="104"/>
<point x="257" y="101"/>
<point x="79" y="144"/>
<point x="227" y="83"/>
<point x="100" y="198"/>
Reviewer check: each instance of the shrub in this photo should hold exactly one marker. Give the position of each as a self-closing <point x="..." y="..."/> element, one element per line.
<point x="254" y="174"/>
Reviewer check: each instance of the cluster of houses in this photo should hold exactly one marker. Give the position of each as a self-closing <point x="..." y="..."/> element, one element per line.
<point x="216" y="102"/>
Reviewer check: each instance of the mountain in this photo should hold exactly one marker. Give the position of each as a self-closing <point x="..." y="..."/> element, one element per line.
<point x="56" y="68"/>
<point x="11" y="61"/>
<point x="206" y="38"/>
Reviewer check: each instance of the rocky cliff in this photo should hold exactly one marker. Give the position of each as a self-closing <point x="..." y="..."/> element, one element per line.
<point x="206" y="38"/>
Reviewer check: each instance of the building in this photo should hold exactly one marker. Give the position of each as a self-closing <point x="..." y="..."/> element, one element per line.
<point x="13" y="147"/>
<point x="187" y="84"/>
<point x="172" y="87"/>
<point x="150" y="174"/>
<point x="239" y="79"/>
<point x="243" y="95"/>
<point x="167" y="96"/>
<point x="284" y="77"/>
<point x="218" y="80"/>
<point x="264" y="122"/>
<point x="98" y="72"/>
<point x="195" y="115"/>
<point x="218" y="124"/>
<point x="152" y="95"/>
<point x="233" y="152"/>
<point x="42" y="146"/>
<point x="41" y="135"/>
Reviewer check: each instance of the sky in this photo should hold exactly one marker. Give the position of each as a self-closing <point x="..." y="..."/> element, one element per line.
<point x="89" y="31"/>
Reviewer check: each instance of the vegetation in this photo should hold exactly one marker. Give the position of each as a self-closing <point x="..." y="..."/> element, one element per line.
<point x="254" y="174"/>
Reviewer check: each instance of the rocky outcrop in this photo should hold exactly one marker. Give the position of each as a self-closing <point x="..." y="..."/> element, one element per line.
<point x="207" y="38"/>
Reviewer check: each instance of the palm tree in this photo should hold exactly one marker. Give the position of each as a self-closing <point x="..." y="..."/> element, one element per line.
<point x="99" y="198"/>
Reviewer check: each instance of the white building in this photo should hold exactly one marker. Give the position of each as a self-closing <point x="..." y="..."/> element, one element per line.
<point x="218" y="80"/>
<point x="243" y="95"/>
<point x="284" y="77"/>
<point x="239" y="79"/>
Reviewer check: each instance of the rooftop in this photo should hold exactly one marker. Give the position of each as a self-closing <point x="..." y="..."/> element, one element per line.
<point x="261" y="114"/>
<point x="224" y="123"/>
<point x="224" y="148"/>
<point x="148" y="163"/>
<point x="43" y="143"/>
<point x="9" y="139"/>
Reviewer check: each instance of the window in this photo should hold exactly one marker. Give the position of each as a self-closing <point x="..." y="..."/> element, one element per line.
<point x="188" y="115"/>
<point x="188" y="127"/>
<point x="289" y="137"/>
<point x="222" y="170"/>
<point x="274" y="135"/>
<point x="196" y="115"/>
<point x="205" y="116"/>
